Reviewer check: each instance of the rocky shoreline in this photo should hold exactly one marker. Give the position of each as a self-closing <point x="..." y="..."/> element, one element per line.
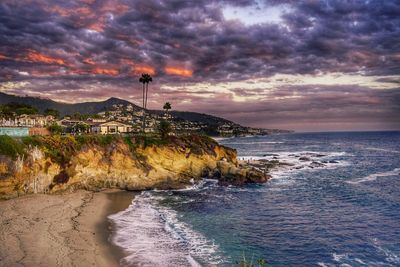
<point x="287" y="162"/>
<point x="66" y="164"/>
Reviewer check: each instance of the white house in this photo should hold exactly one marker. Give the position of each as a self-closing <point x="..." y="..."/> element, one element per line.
<point x="111" y="127"/>
<point x="34" y="120"/>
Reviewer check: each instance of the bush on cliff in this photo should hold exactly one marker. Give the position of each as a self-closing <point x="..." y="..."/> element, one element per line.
<point x="55" y="129"/>
<point x="61" y="148"/>
<point x="10" y="147"/>
<point x="100" y="140"/>
<point x="164" y="128"/>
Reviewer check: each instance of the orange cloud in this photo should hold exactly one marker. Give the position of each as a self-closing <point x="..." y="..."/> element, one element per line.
<point x="88" y="16"/>
<point x="126" y="61"/>
<point x="144" y="69"/>
<point x="82" y="12"/>
<point x="58" y="10"/>
<point x="97" y="26"/>
<point x="105" y="71"/>
<point x="88" y="2"/>
<point x="3" y="57"/>
<point x="40" y="72"/>
<point x="34" y="56"/>
<point x="179" y="71"/>
<point x="115" y="8"/>
<point x="89" y="61"/>
<point x="128" y="39"/>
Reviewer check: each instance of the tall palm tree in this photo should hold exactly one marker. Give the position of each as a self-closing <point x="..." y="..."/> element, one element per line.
<point x="167" y="106"/>
<point x="145" y="79"/>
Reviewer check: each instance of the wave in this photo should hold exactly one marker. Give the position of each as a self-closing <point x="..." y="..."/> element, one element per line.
<point x="389" y="258"/>
<point x="374" y="176"/>
<point x="389" y="255"/>
<point x="254" y="143"/>
<point x="381" y="149"/>
<point x="153" y="235"/>
<point x="295" y="162"/>
<point x="203" y="184"/>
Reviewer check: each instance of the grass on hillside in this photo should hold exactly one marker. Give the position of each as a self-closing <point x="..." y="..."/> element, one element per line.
<point x="61" y="148"/>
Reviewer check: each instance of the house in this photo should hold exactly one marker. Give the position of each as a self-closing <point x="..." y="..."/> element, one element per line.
<point x="96" y="120"/>
<point x="33" y="120"/>
<point x="111" y="127"/>
<point x="67" y="122"/>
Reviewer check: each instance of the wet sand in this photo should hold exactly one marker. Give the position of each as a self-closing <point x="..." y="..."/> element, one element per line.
<point x="60" y="230"/>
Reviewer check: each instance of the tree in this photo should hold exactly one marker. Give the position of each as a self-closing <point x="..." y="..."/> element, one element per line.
<point x="20" y="109"/>
<point x="167" y="107"/>
<point x="81" y="127"/>
<point x="77" y="116"/>
<point x="6" y="112"/>
<point x="55" y="129"/>
<point x="145" y="79"/>
<point x="164" y="128"/>
<point x="52" y="112"/>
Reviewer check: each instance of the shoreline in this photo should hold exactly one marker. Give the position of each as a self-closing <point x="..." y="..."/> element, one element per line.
<point x="66" y="229"/>
<point x="118" y="200"/>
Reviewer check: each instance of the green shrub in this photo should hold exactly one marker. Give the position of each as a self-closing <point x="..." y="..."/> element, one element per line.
<point x="245" y="262"/>
<point x="55" y="129"/>
<point x="11" y="147"/>
<point x="164" y="128"/>
<point x="131" y="145"/>
<point x="153" y="141"/>
<point x="86" y="139"/>
<point x="105" y="140"/>
<point x="35" y="140"/>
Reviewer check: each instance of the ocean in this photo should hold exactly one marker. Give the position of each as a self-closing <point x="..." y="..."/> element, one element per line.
<point x="337" y="206"/>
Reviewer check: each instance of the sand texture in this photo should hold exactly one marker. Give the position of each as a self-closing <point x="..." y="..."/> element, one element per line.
<point x="55" y="230"/>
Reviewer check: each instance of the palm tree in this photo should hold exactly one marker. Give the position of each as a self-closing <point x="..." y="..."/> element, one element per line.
<point x="145" y="79"/>
<point x="167" y="106"/>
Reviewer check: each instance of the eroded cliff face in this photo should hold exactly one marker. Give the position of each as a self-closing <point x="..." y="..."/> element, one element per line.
<point x="118" y="165"/>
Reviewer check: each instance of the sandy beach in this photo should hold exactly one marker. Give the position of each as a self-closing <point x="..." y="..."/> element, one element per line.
<point x="60" y="230"/>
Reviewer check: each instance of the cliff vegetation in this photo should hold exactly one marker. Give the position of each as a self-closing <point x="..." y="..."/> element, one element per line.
<point x="49" y="164"/>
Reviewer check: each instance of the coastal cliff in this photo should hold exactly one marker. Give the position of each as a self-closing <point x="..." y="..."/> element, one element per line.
<point x="56" y="164"/>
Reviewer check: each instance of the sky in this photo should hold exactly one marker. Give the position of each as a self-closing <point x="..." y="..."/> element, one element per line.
<point x="303" y="65"/>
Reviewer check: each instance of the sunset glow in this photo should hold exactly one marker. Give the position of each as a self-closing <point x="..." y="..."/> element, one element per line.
<point x="255" y="62"/>
<point x="179" y="71"/>
<point x="34" y="56"/>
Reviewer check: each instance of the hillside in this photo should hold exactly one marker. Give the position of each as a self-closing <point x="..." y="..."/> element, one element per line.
<point x="64" y="108"/>
<point x="95" y="107"/>
<point x="50" y="164"/>
<point x="183" y="120"/>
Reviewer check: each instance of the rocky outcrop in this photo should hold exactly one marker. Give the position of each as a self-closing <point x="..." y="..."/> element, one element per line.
<point x="124" y="164"/>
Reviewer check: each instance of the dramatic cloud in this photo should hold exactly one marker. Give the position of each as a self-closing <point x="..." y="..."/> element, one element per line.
<point x="295" y="64"/>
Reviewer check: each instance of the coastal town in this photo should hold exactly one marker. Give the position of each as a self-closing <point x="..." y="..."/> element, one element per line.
<point x="119" y="119"/>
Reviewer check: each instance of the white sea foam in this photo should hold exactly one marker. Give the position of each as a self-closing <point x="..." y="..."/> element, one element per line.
<point x="346" y="259"/>
<point x="374" y="176"/>
<point x="203" y="184"/>
<point x="153" y="235"/>
<point x="290" y="162"/>
<point x="381" y="149"/>
<point x="255" y="143"/>
<point x="339" y="257"/>
<point x="359" y="261"/>
<point x="323" y="264"/>
<point x="390" y="256"/>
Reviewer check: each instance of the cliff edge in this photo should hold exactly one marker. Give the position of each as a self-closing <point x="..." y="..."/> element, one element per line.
<point x="51" y="164"/>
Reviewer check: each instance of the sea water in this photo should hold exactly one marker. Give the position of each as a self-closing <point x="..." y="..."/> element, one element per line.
<point x="341" y="210"/>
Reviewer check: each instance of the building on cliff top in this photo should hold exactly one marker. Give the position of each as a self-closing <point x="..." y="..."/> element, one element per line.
<point x="111" y="127"/>
<point x="26" y="120"/>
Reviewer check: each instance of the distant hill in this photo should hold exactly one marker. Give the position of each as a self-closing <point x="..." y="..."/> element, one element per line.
<point x="64" y="108"/>
<point x="210" y="124"/>
<point x="196" y="117"/>
<point x="95" y="107"/>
